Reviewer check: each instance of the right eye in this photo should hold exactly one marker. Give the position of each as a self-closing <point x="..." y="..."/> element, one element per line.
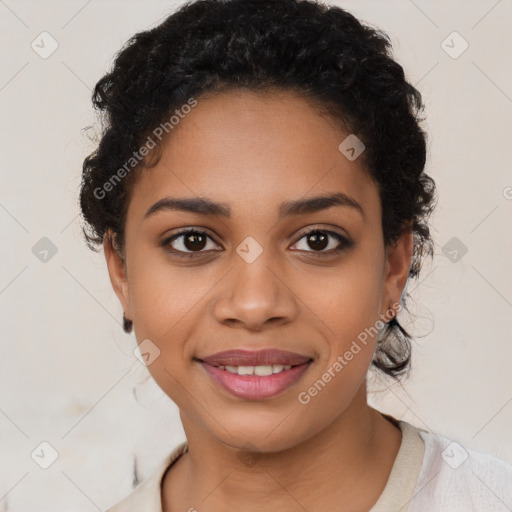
<point x="188" y="243"/>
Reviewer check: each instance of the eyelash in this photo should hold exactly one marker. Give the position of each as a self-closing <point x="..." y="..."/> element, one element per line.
<point x="345" y="243"/>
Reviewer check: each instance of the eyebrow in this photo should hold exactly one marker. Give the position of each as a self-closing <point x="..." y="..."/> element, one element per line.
<point x="204" y="206"/>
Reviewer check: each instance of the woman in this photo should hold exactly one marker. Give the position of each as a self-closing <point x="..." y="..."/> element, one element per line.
<point x="260" y="195"/>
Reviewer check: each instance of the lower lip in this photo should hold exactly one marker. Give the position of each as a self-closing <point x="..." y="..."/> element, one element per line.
<point x="256" y="387"/>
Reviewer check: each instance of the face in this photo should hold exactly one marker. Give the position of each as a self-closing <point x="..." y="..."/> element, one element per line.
<point x="288" y="281"/>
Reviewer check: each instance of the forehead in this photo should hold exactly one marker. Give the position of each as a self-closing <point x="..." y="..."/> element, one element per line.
<point x="253" y="150"/>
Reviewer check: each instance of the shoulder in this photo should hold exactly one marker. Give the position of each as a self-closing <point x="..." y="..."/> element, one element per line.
<point x="147" y="495"/>
<point x="454" y="478"/>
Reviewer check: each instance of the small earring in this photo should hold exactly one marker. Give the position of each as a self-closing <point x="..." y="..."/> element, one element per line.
<point x="127" y="324"/>
<point x="394" y="320"/>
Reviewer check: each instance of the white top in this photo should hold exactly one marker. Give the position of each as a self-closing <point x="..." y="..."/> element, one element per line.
<point x="430" y="474"/>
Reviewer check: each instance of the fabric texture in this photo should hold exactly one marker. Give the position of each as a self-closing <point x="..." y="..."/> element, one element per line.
<point x="430" y="473"/>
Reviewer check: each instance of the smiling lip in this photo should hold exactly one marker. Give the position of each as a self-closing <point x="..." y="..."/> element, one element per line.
<point x="255" y="387"/>
<point x="255" y="358"/>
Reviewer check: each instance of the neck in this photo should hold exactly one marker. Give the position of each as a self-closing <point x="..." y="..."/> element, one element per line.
<point x="347" y="463"/>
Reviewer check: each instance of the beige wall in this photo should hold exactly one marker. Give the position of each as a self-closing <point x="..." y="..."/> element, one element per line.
<point x="67" y="368"/>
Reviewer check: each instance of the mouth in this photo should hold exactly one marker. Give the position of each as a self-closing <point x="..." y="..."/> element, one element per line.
<point x="255" y="375"/>
<point x="260" y="370"/>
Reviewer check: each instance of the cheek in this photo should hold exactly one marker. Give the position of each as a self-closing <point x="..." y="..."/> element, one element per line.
<point x="165" y="297"/>
<point x="348" y="304"/>
<point x="348" y="300"/>
<point x="350" y="311"/>
<point x="165" y="301"/>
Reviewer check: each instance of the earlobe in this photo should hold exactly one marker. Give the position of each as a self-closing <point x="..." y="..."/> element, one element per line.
<point x="117" y="272"/>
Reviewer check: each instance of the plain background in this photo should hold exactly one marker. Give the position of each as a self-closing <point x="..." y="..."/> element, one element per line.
<point x="68" y="373"/>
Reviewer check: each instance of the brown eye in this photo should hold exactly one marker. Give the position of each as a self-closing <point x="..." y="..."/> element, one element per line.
<point x="318" y="239"/>
<point x="194" y="241"/>
<point x="188" y="243"/>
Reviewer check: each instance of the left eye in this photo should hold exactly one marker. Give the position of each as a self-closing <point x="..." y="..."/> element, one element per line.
<point x="318" y="240"/>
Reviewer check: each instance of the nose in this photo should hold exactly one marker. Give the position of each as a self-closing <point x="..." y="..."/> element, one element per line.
<point x="255" y="296"/>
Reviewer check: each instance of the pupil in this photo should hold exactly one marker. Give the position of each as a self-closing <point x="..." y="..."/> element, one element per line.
<point x="194" y="241"/>
<point x="315" y="238"/>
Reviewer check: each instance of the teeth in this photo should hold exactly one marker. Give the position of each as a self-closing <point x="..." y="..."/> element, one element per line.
<point x="261" y="370"/>
<point x="245" y="370"/>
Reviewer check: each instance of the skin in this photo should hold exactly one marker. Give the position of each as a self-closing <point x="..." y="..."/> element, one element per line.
<point x="253" y="151"/>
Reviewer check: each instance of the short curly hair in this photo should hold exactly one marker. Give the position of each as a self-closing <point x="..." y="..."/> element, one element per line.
<point x="344" y="66"/>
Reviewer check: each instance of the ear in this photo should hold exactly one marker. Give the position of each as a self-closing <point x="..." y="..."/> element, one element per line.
<point x="116" y="264"/>
<point x="398" y="262"/>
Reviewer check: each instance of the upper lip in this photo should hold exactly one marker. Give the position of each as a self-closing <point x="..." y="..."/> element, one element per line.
<point x="255" y="358"/>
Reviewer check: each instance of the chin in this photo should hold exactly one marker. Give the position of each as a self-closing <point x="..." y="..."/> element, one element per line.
<point x="264" y="432"/>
